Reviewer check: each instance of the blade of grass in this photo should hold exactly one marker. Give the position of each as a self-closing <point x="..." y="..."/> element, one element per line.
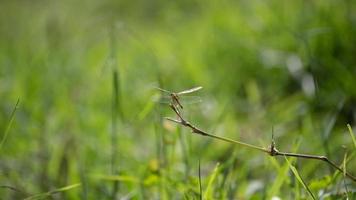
<point x="116" y="110"/>
<point x="279" y="180"/>
<point x="209" y="189"/>
<point x="114" y="136"/>
<point x="55" y="191"/>
<point x="352" y="134"/>
<point x="344" y="177"/>
<point x="299" y="178"/>
<point x="337" y="173"/>
<point x="9" y="124"/>
<point x="200" y="188"/>
<point x="297" y="191"/>
<point x="282" y="172"/>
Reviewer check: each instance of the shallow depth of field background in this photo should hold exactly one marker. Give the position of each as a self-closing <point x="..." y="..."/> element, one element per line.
<point x="290" y="65"/>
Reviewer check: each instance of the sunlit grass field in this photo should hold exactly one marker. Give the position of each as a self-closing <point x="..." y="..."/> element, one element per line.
<point x="90" y="125"/>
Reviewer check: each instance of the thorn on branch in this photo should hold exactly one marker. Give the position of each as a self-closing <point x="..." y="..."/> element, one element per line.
<point x="273" y="151"/>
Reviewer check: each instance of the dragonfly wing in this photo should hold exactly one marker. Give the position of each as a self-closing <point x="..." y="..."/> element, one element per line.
<point x="163" y="90"/>
<point x="186" y="100"/>
<point x="190" y="90"/>
<point x="163" y="100"/>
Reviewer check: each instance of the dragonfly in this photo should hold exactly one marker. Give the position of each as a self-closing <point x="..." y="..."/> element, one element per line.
<point x="174" y="97"/>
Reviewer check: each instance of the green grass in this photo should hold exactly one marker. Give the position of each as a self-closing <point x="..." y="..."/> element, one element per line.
<point x="7" y="130"/>
<point x="53" y="192"/>
<point x="352" y="135"/>
<point x="300" y="179"/>
<point x="86" y="74"/>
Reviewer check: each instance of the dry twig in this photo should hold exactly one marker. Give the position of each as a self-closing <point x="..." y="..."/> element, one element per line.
<point x="272" y="150"/>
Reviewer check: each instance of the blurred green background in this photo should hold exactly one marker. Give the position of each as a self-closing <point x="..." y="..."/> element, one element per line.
<point x="86" y="72"/>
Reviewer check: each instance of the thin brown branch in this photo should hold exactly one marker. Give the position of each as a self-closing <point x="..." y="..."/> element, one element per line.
<point x="316" y="157"/>
<point x="272" y="150"/>
<point x="196" y="130"/>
